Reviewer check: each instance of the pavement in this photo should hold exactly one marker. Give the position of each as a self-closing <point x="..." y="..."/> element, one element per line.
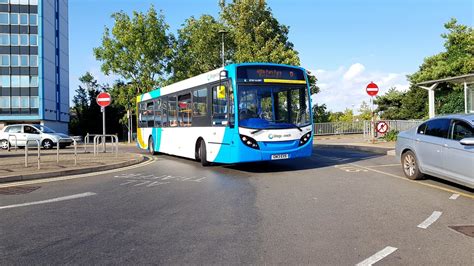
<point x="355" y="142"/>
<point x="337" y="207"/>
<point x="12" y="167"/>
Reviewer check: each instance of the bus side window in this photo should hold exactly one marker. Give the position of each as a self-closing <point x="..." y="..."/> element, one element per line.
<point x="150" y="114"/>
<point x="141" y="115"/>
<point x="219" y="105"/>
<point x="184" y="110"/>
<point x="200" y="102"/>
<point x="164" y="114"/>
<point x="172" y="114"/>
<point x="158" y="113"/>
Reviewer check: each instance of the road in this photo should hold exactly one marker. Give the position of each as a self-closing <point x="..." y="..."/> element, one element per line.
<point x="338" y="207"/>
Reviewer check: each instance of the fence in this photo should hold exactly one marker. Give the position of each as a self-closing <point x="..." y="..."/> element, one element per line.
<point x="339" y="128"/>
<point x="360" y="127"/>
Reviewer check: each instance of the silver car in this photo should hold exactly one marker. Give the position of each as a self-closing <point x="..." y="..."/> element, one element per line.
<point x="18" y="135"/>
<point x="441" y="147"/>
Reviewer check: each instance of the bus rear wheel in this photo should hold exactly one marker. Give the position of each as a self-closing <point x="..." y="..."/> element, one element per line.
<point x="203" y="154"/>
<point x="151" y="146"/>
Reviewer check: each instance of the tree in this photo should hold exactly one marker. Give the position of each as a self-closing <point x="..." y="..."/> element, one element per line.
<point x="365" y="112"/>
<point x="388" y="105"/>
<point x="346" y="116"/>
<point x="85" y="109"/>
<point x="457" y="59"/>
<point x="197" y="49"/>
<point x="320" y="113"/>
<point x="256" y="34"/>
<point x="137" y="49"/>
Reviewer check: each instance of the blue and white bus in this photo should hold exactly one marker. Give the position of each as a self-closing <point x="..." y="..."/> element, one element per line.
<point x="240" y="113"/>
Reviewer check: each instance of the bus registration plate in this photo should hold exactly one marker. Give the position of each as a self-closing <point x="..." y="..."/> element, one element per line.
<point x="280" y="156"/>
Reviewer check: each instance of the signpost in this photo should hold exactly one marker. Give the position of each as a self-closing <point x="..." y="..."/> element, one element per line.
<point x="103" y="100"/>
<point x="372" y="90"/>
<point x="382" y="127"/>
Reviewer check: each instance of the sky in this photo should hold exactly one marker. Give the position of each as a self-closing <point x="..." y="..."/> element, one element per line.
<point x="345" y="43"/>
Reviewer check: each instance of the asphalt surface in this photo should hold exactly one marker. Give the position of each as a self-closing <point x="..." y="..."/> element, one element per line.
<point x="338" y="207"/>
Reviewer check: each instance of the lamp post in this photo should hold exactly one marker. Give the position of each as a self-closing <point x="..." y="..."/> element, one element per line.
<point x="223" y="33"/>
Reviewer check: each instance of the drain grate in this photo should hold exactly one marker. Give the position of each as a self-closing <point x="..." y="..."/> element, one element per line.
<point x="464" y="229"/>
<point x="17" y="190"/>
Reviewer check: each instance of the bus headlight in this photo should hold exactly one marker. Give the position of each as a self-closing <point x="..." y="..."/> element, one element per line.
<point x="249" y="142"/>
<point x="305" y="138"/>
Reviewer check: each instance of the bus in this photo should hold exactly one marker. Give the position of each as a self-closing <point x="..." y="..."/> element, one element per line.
<point x="244" y="112"/>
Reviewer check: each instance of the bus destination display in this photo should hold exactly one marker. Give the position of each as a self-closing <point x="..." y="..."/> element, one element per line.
<point x="270" y="74"/>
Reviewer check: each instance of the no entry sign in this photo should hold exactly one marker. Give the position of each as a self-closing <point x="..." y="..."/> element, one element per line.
<point x="104" y="99"/>
<point x="372" y="89"/>
<point x="382" y="127"/>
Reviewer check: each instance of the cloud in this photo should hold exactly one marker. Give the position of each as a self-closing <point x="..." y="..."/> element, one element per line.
<point x="344" y="87"/>
<point x="354" y="71"/>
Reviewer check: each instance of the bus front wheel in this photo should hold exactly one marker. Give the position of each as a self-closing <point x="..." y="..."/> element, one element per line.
<point x="203" y="154"/>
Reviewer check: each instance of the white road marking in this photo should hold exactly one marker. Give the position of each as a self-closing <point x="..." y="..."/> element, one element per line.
<point x="430" y="220"/>
<point x="76" y="196"/>
<point x="64" y="178"/>
<point x="129" y="182"/>
<point x="143" y="183"/>
<point x="377" y="256"/>
<point x="157" y="183"/>
<point x="199" y="180"/>
<point x="454" y="196"/>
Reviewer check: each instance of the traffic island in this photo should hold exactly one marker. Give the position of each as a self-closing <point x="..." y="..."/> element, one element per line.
<point x="12" y="164"/>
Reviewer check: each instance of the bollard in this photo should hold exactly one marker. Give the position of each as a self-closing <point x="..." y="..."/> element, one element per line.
<point x="39" y="152"/>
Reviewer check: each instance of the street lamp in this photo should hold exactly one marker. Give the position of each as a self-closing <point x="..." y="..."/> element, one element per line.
<point x="223" y="33"/>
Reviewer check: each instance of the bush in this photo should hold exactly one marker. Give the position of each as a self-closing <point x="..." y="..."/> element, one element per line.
<point x="391" y="135"/>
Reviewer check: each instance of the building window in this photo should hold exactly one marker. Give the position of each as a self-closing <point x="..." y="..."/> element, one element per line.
<point x="23" y="2"/>
<point x="23" y="39"/>
<point x="25" y="102"/>
<point x="24" y="60"/>
<point x="34" y="102"/>
<point x="15" y="101"/>
<point x="24" y="81"/>
<point x="4" y="39"/>
<point x="33" y="2"/>
<point x="4" y="60"/>
<point x="14" y="19"/>
<point x="34" y="81"/>
<point x="3" y="1"/>
<point x="14" y="40"/>
<point x="15" y="60"/>
<point x="4" y="101"/>
<point x="34" y="40"/>
<point x="15" y="81"/>
<point x="33" y="60"/>
<point x="5" y="81"/>
<point x="23" y="19"/>
<point x="33" y="20"/>
<point x="4" y="18"/>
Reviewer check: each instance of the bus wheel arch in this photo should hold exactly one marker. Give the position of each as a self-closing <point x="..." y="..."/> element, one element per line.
<point x="201" y="152"/>
<point x="151" y="145"/>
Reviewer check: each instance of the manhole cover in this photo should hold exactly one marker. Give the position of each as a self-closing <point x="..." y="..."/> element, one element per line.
<point x="17" y="190"/>
<point x="464" y="229"/>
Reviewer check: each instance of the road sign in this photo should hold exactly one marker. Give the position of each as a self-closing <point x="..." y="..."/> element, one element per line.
<point x="372" y="89"/>
<point x="104" y="99"/>
<point x="382" y="127"/>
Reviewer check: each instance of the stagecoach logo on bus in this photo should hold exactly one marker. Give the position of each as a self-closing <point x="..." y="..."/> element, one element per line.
<point x="272" y="136"/>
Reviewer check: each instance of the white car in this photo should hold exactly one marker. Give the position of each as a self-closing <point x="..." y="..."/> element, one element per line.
<point x="18" y="135"/>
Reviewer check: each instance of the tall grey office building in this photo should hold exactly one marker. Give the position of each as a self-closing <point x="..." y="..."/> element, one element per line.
<point x="34" y="63"/>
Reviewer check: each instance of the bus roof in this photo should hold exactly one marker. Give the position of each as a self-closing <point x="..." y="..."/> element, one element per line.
<point x="204" y="78"/>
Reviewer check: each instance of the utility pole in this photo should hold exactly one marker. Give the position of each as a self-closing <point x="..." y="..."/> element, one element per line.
<point x="223" y="33"/>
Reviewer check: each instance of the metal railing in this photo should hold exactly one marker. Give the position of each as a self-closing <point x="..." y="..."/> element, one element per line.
<point x="338" y="128"/>
<point x="75" y="150"/>
<point x="397" y="125"/>
<point x="39" y="152"/>
<point x="16" y="141"/>
<point x="113" y="140"/>
<point x="87" y="138"/>
<point x="361" y="127"/>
